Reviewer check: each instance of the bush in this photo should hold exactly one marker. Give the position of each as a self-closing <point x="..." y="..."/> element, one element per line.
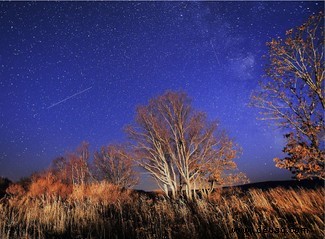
<point x="15" y="190"/>
<point x="47" y="184"/>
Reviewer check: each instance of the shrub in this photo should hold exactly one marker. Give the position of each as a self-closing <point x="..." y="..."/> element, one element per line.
<point x="48" y="184"/>
<point x="15" y="190"/>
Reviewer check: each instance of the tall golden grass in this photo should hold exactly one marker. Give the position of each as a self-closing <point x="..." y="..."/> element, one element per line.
<point x="102" y="210"/>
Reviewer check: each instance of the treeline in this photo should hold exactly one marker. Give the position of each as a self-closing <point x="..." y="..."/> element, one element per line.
<point x="184" y="152"/>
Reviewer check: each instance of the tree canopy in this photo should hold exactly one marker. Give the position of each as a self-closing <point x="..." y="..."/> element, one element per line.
<point x="292" y="95"/>
<point x="178" y="146"/>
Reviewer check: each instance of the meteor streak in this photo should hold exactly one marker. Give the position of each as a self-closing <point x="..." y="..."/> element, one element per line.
<point x="68" y="98"/>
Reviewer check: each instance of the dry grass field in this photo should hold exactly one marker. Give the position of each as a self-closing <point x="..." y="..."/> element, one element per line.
<point x="101" y="210"/>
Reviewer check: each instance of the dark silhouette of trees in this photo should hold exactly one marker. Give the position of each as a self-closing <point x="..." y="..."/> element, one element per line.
<point x="4" y="184"/>
<point x="292" y="95"/>
<point x="178" y="146"/>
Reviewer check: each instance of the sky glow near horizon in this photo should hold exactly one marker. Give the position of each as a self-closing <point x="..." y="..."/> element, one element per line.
<point x="75" y="71"/>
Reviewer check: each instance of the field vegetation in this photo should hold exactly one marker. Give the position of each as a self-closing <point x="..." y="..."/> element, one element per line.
<point x="49" y="209"/>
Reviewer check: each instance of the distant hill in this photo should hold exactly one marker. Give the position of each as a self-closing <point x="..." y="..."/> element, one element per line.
<point x="307" y="184"/>
<point x="304" y="184"/>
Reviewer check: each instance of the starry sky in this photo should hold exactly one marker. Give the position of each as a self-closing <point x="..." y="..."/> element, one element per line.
<point x="75" y="71"/>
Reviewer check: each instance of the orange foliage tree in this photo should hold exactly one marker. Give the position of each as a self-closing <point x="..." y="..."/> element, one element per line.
<point x="292" y="95"/>
<point x="178" y="146"/>
<point x="46" y="183"/>
<point x="114" y="164"/>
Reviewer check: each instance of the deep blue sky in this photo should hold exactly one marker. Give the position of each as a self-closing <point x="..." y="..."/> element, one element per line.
<point x="74" y="71"/>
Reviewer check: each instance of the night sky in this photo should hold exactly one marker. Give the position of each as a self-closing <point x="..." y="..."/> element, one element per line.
<point x="75" y="71"/>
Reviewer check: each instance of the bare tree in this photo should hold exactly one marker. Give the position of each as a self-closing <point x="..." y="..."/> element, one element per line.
<point x="74" y="167"/>
<point x="177" y="145"/>
<point x="60" y="168"/>
<point x="115" y="165"/>
<point x="79" y="164"/>
<point x="293" y="96"/>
